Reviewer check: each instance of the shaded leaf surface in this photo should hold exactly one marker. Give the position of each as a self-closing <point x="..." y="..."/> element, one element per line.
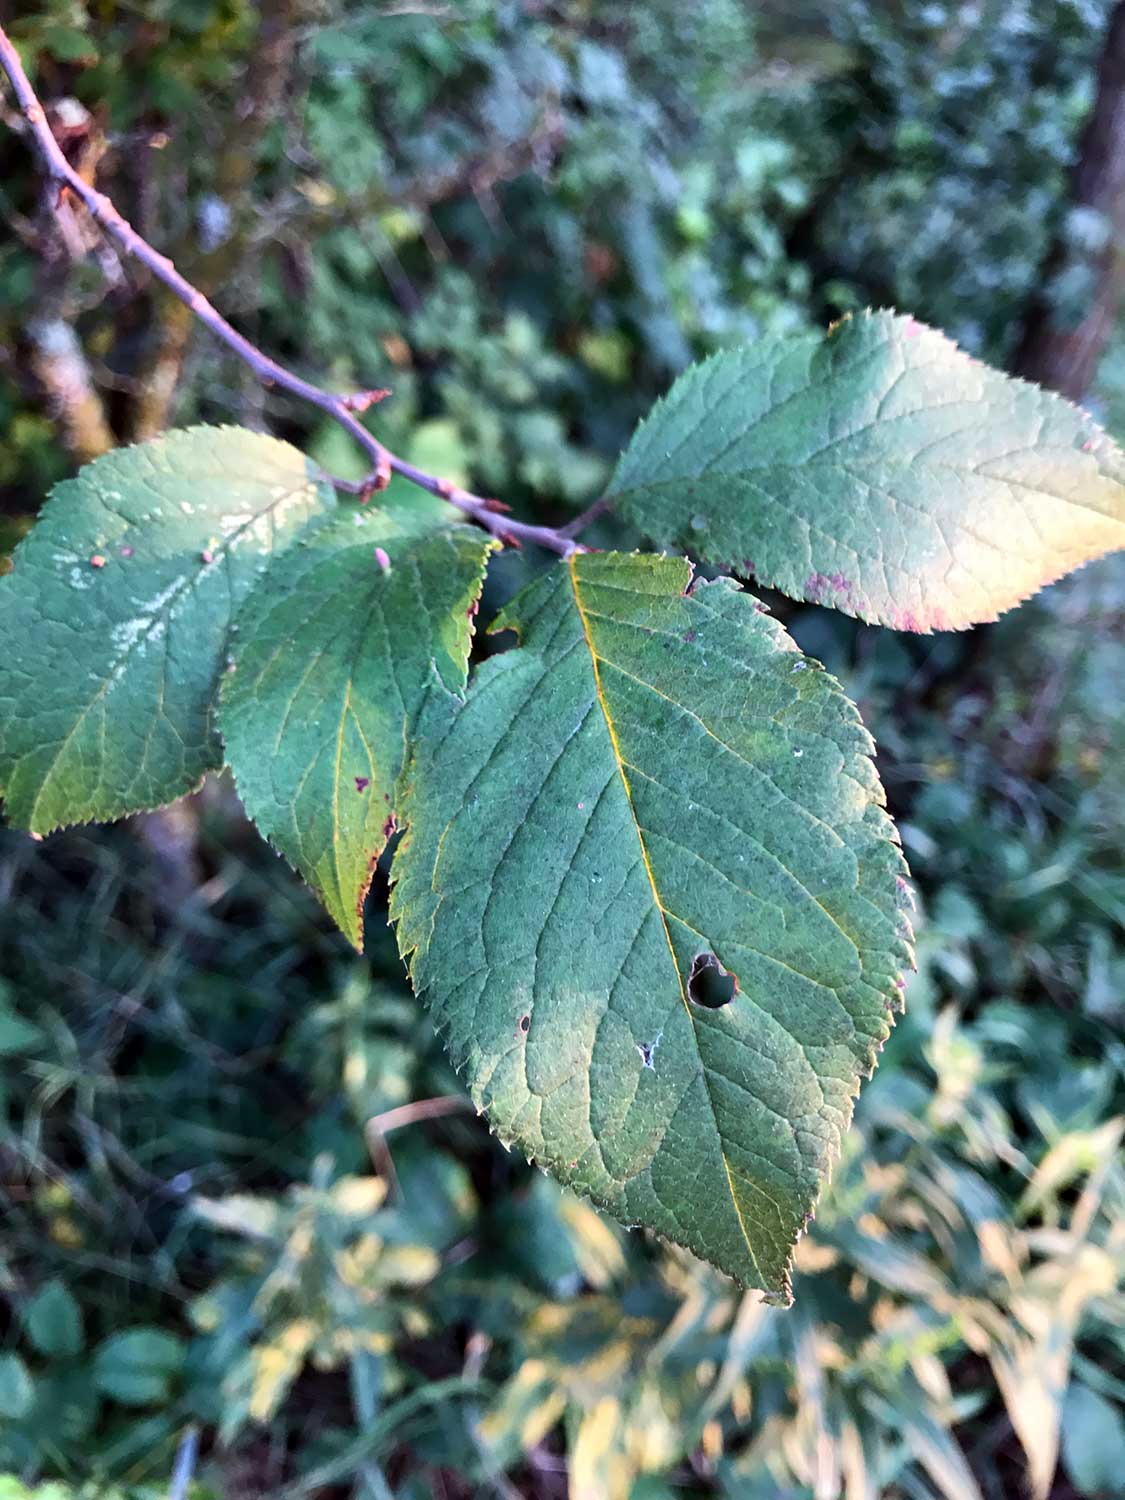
<point x="137" y="1366"/>
<point x="336" y="652"/>
<point x="1093" y="1441"/>
<point x="17" y="1393"/>
<point x="879" y="470"/>
<point x="650" y="777"/>
<point x="53" y="1321"/>
<point x="116" y="617"/>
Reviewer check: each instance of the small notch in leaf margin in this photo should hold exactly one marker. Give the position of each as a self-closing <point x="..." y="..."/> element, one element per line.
<point x="709" y="984"/>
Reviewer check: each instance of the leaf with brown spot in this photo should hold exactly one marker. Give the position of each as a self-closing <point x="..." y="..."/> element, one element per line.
<point x="337" y="650"/>
<point x="115" y="636"/>
<point x="649" y="890"/>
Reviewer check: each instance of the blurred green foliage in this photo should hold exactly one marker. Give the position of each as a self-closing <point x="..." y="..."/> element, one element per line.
<point x="226" y="1215"/>
<point x="956" y="135"/>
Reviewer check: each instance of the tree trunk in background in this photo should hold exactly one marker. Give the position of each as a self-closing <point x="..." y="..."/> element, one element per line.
<point x="260" y="107"/>
<point x="59" y="365"/>
<point x="1051" y="352"/>
<point x="55" y="357"/>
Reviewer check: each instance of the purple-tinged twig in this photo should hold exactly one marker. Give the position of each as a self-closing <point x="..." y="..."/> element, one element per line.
<point x="487" y="513"/>
<point x="591" y="513"/>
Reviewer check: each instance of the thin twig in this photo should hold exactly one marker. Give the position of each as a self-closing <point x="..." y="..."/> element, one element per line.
<point x="376" y="1129"/>
<point x="487" y="513"/>
<point x="572" y="528"/>
<point x="418" y="1109"/>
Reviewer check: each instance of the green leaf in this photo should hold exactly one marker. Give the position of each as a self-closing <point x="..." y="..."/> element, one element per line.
<point x="136" y="1367"/>
<point x="53" y="1321"/>
<point x="16" y="1034"/>
<point x="17" y="1394"/>
<point x="879" y="470"/>
<point x="1093" y="1442"/>
<point x="653" y="793"/>
<point x="66" y="1405"/>
<point x="928" y="1438"/>
<point x="116" y="615"/>
<point x="337" y="649"/>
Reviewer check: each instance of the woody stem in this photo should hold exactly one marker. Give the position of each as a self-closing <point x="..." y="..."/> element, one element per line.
<point x="384" y="463"/>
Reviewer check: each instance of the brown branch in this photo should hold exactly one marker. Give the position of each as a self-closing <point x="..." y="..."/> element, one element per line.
<point x="487" y="513"/>
<point x="265" y="83"/>
<point x="377" y="1128"/>
<point x="1050" y="352"/>
<point x="600" y="507"/>
<point x="483" y="171"/>
<point x="418" y="1109"/>
<point x="54" y="356"/>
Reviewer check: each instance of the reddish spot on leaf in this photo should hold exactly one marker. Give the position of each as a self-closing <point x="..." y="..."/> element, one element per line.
<point x="206" y="556"/>
<point x="471" y="612"/>
<point x="382" y="559"/>
<point x="816" y="586"/>
<point x="126" y="552"/>
<point x="362" y="783"/>
<point x="97" y="561"/>
<point x="390" y="826"/>
<point x="581" y="805"/>
<point x="689" y="636"/>
<point x="819" y="586"/>
<point x="1088" y="446"/>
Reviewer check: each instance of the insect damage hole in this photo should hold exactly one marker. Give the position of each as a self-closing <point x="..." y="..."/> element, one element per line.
<point x="709" y="984"/>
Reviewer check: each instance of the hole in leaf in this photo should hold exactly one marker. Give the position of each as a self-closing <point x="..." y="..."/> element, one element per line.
<point x="525" y="1024"/>
<point x="709" y="984"/>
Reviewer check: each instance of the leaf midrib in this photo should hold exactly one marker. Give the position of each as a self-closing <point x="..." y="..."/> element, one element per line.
<point x="620" y="762"/>
<point x="183" y="588"/>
